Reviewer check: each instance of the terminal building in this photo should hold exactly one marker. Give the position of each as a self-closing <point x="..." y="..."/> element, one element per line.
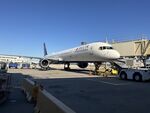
<point x="19" y="61"/>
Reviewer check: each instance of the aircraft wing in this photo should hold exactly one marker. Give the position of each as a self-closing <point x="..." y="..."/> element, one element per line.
<point x="32" y="57"/>
<point x="55" y="60"/>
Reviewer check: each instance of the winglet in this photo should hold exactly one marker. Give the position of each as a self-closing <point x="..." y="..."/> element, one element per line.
<point x="45" y="50"/>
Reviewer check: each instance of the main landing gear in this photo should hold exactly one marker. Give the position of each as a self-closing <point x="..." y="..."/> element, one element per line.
<point x="67" y="66"/>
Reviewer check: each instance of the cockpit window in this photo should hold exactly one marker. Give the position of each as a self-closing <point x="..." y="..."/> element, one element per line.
<point x="105" y="47"/>
<point x="109" y="47"/>
<point x="100" y="48"/>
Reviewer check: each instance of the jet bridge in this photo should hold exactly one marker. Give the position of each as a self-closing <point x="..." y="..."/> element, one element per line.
<point x="133" y="48"/>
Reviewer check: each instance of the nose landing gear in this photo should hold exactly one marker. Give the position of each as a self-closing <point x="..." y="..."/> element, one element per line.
<point x="67" y="66"/>
<point x="97" y="65"/>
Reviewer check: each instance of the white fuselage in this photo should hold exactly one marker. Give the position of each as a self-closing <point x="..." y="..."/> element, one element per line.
<point x="93" y="52"/>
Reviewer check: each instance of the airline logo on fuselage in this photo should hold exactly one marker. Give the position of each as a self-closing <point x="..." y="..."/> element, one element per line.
<point x="81" y="49"/>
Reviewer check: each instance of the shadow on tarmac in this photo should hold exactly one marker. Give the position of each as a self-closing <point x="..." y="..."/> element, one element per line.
<point x="82" y="71"/>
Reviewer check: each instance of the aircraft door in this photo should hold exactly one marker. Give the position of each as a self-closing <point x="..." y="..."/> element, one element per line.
<point x="91" y="50"/>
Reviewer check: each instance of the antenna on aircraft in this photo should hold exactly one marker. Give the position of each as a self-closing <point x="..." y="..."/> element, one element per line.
<point x="106" y="40"/>
<point x="83" y="43"/>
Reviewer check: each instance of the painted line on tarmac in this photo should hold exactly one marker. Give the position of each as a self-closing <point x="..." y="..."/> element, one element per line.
<point x="110" y="83"/>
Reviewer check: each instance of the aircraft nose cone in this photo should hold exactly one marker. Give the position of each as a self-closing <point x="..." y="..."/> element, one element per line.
<point x="110" y="55"/>
<point x="118" y="55"/>
<point x="115" y="55"/>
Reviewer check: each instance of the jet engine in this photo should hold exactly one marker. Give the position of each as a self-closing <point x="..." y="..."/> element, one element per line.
<point x="83" y="64"/>
<point x="44" y="63"/>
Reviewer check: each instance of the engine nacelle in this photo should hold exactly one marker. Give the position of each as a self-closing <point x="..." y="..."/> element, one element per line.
<point x="44" y="63"/>
<point x="83" y="65"/>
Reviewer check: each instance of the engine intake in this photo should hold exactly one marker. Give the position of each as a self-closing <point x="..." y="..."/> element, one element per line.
<point x="83" y="65"/>
<point x="44" y="63"/>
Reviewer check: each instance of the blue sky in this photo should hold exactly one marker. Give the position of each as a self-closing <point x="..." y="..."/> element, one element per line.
<point x="62" y="24"/>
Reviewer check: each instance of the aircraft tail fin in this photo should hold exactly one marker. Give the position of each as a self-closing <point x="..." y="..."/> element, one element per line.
<point x="45" y="50"/>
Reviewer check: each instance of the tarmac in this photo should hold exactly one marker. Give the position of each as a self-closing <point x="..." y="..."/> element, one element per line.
<point x="16" y="102"/>
<point x="82" y="92"/>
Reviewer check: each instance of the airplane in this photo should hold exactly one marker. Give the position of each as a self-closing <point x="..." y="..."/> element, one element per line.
<point x="96" y="53"/>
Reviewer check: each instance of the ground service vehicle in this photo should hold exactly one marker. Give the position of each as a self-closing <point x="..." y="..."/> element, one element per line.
<point x="13" y="65"/>
<point x="140" y="74"/>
